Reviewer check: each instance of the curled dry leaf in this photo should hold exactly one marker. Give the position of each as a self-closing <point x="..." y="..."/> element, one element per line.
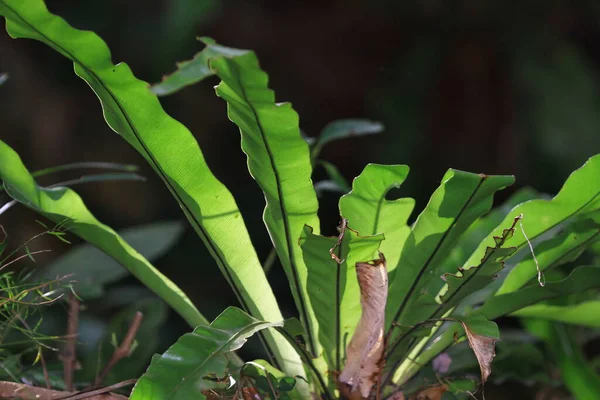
<point x="484" y="348"/>
<point x="365" y="351"/>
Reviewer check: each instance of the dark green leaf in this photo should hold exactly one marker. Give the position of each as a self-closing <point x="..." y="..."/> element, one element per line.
<point x="343" y="129"/>
<point x="182" y="372"/>
<point x="91" y="269"/>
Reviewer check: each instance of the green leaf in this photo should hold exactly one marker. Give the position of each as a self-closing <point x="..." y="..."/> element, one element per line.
<point x="278" y="159"/>
<point x="270" y="380"/>
<point x="182" y="372"/>
<point x="579" y="196"/>
<point x="135" y="113"/>
<point x="482" y="227"/>
<point x="454" y="206"/>
<point x="579" y="377"/>
<point x="580" y="279"/>
<point x="458" y="286"/>
<point x="91" y="269"/>
<point x="333" y="286"/>
<point x="370" y="213"/>
<point x="342" y="129"/>
<point x="336" y="176"/>
<point x="194" y="70"/>
<point x="62" y="204"/>
<point x="561" y="249"/>
<point x="585" y="313"/>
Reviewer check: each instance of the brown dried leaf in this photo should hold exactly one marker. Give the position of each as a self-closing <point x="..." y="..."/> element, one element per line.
<point x="484" y="348"/>
<point x="365" y="351"/>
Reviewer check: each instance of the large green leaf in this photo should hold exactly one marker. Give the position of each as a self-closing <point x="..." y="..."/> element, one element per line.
<point x="90" y="269"/>
<point x="585" y="313"/>
<point x="369" y="212"/>
<point x="579" y="196"/>
<point x="461" y="199"/>
<point x="563" y="248"/>
<point x="278" y="159"/>
<point x="333" y="286"/>
<point x="135" y="113"/>
<point x="185" y="370"/>
<point x="63" y="204"/>
<point x="580" y="279"/>
<point x="458" y="286"/>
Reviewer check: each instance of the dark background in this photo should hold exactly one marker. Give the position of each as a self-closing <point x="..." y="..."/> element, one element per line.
<point x="498" y="87"/>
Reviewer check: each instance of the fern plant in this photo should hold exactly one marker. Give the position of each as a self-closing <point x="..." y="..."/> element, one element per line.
<point x="377" y="302"/>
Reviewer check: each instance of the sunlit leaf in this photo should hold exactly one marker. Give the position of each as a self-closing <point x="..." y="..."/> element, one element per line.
<point x="461" y="199"/>
<point x="369" y="212"/>
<point x="135" y="113"/>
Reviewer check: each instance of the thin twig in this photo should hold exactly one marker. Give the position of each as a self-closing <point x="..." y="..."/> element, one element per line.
<point x="70" y="350"/>
<point x="540" y="275"/>
<point x="41" y="353"/>
<point x="124" y="349"/>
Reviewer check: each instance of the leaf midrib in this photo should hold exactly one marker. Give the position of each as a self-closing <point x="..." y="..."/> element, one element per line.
<point x="282" y="207"/>
<point x="213" y="249"/>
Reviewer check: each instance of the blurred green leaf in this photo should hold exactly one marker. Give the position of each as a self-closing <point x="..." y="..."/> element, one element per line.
<point x="63" y="204"/>
<point x="184" y="370"/>
<point x="92" y="269"/>
<point x="576" y="373"/>
<point x="585" y="314"/>
<point x="336" y="176"/>
<point x="343" y="129"/>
